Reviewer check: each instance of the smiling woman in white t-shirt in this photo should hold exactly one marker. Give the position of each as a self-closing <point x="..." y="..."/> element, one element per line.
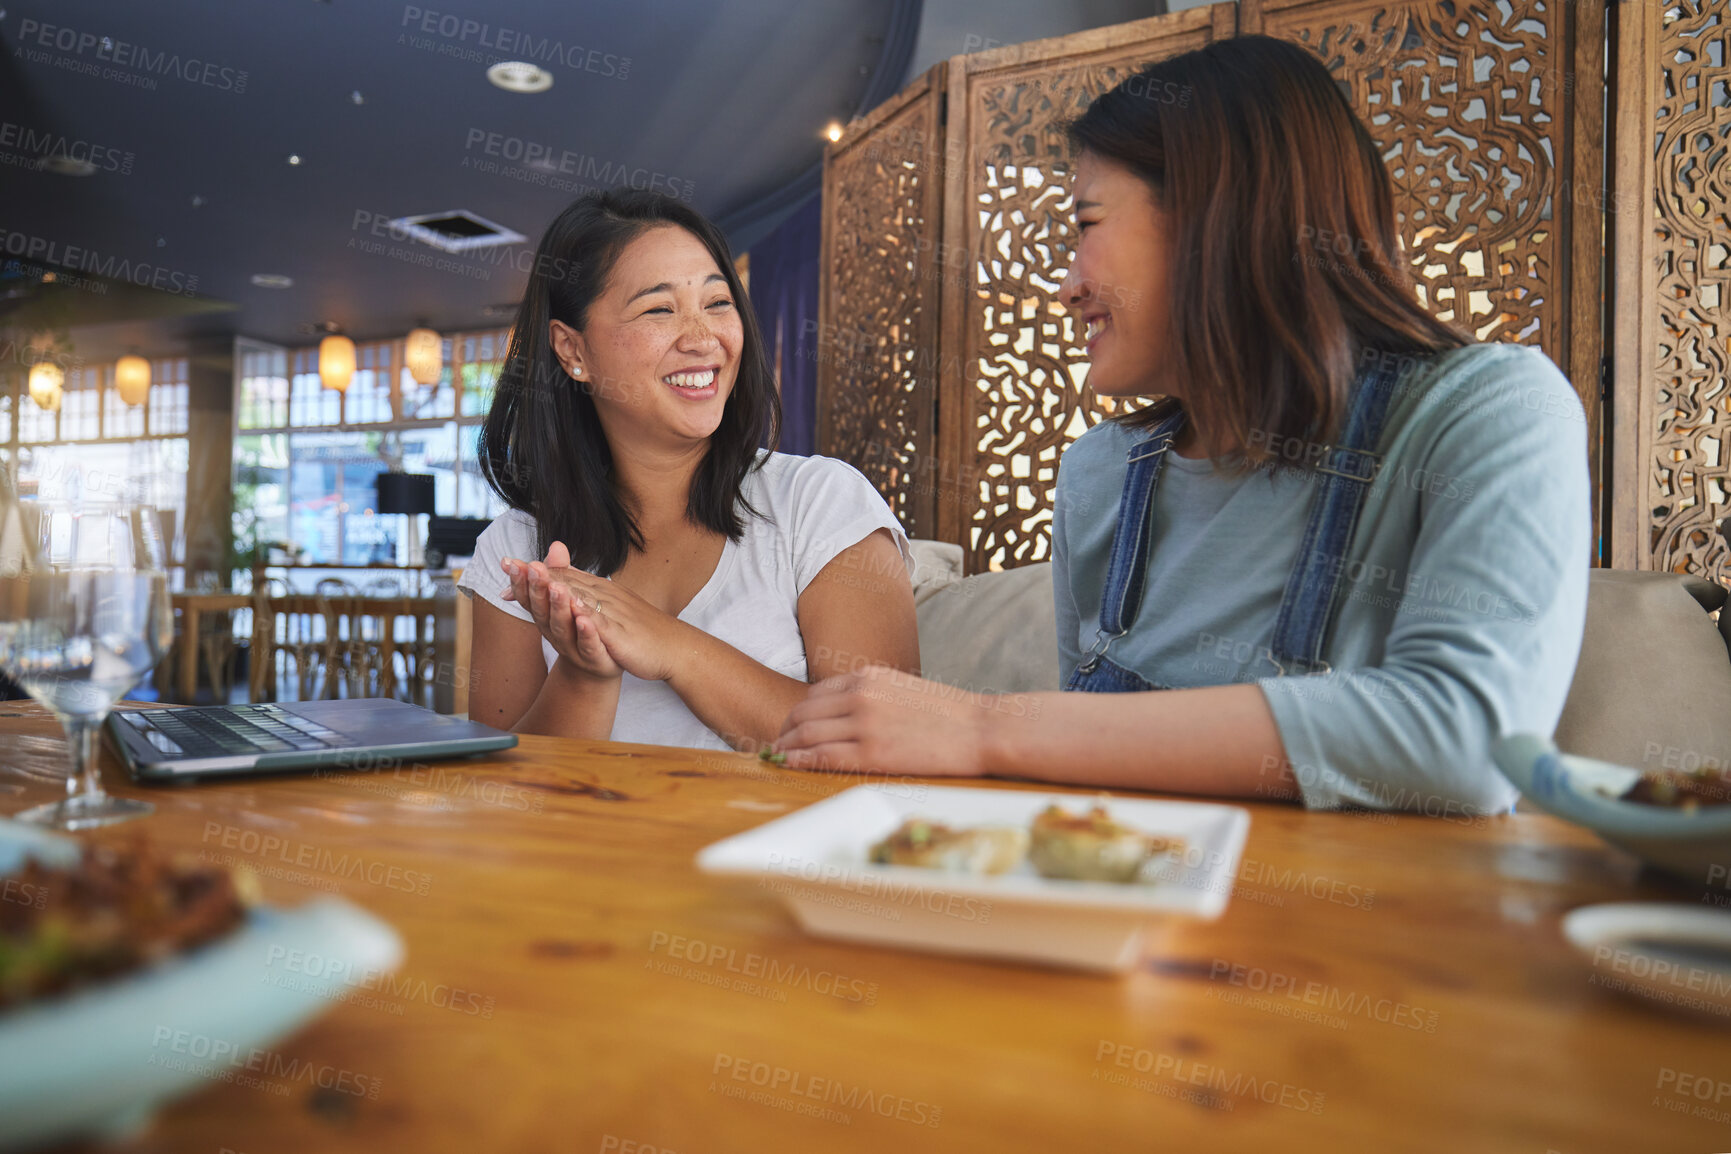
<point x="659" y="577"/>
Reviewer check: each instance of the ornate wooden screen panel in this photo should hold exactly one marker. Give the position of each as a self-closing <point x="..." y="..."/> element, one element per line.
<point x="1489" y="116"/>
<point x="1016" y="393"/>
<point x="1488" y="112"/>
<point x="1673" y="321"/>
<point x="883" y="188"/>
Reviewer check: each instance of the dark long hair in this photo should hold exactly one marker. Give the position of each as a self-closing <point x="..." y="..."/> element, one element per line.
<point x="542" y="448"/>
<point x="1287" y="269"/>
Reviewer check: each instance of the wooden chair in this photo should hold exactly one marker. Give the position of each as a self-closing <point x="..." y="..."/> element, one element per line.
<point x="304" y="632"/>
<point x="340" y="641"/>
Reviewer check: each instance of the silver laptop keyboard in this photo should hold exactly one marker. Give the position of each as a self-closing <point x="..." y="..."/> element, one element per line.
<point x="233" y="731"/>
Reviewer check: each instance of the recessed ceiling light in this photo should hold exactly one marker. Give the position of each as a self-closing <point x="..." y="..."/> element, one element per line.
<point x="357" y="97"/>
<point x="833" y="131"/>
<point x="63" y="165"/>
<point x="520" y="76"/>
<point x="272" y="280"/>
<point x="294" y="158"/>
<point x="456" y="231"/>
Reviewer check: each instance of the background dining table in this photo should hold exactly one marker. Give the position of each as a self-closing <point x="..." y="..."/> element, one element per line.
<point x="573" y="983"/>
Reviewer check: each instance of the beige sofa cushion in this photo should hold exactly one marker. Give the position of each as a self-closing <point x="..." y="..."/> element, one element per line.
<point x="992" y="632"/>
<point x="937" y="565"/>
<point x="1653" y="687"/>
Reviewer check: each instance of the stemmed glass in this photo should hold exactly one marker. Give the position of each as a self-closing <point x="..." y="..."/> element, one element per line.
<point x="84" y="613"/>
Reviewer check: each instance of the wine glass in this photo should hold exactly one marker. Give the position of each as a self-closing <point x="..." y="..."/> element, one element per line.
<point x="84" y="613"/>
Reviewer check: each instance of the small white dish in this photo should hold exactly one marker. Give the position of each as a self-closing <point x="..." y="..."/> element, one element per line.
<point x="1695" y="846"/>
<point x="97" y="1062"/>
<point x="1676" y="955"/>
<point x="817" y="858"/>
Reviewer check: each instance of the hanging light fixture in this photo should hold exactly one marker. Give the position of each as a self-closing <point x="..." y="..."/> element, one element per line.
<point x="46" y="380"/>
<point x="423" y="355"/>
<point x="132" y="379"/>
<point x="336" y="362"/>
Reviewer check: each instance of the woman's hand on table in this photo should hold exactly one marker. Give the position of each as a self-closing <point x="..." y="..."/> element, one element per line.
<point x="886" y="720"/>
<point x="636" y="636"/>
<point x="559" y="613"/>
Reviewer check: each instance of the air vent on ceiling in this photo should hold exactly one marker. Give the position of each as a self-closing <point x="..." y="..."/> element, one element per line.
<point x="457" y="231"/>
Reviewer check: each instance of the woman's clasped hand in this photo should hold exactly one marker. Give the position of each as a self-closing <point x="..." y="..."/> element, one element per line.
<point x="602" y="628"/>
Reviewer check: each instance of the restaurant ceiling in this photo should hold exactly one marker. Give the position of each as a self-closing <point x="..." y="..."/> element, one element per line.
<point x="191" y="112"/>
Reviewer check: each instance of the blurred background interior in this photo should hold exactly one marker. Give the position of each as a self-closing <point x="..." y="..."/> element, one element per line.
<point x="266" y="257"/>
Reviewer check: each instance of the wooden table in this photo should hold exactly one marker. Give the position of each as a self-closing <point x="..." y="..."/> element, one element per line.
<point x="573" y="984"/>
<point x="192" y="606"/>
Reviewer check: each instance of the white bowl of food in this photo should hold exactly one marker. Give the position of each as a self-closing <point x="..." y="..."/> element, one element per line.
<point x="128" y="977"/>
<point x="1679" y="822"/>
<point x="1060" y="879"/>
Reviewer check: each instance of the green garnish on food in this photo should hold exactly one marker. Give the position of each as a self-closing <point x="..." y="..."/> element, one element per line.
<point x="772" y="757"/>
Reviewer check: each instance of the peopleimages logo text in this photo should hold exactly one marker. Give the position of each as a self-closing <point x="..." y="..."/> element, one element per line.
<point x="42" y="144"/>
<point x="512" y="44"/>
<point x="71" y="256"/>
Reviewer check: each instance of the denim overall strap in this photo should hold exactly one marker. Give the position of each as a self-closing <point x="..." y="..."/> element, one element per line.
<point x="1345" y="473"/>
<point x="1132" y="542"/>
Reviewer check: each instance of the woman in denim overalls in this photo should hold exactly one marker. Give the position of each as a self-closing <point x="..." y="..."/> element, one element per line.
<point x="1239" y="261"/>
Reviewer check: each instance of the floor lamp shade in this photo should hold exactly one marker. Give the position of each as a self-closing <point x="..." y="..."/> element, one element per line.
<point x="405" y="493"/>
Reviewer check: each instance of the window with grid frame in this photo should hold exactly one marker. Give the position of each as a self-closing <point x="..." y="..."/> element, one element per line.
<point x="167" y="402"/>
<point x="368" y="398"/>
<point x="81" y="405"/>
<point x="263" y="402"/>
<point x="96" y="443"/>
<point x="326" y="505"/>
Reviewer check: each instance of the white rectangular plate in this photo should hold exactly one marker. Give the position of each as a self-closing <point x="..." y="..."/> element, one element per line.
<point x="817" y="858"/>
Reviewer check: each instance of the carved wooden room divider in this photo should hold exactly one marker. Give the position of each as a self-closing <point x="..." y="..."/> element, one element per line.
<point x="1672" y="329"/>
<point x="877" y="347"/>
<point x="954" y="377"/>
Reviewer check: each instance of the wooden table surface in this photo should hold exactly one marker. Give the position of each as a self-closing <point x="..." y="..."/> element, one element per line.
<point x="572" y="983"/>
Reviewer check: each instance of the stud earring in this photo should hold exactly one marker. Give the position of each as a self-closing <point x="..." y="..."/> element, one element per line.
<point x="576" y="372"/>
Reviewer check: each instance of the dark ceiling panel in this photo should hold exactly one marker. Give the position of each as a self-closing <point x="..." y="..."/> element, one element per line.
<point x="192" y="109"/>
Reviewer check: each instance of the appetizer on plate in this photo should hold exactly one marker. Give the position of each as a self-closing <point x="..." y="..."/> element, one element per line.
<point x="113" y="912"/>
<point x="1093" y="847"/>
<point x="988" y="850"/>
<point x="1686" y="790"/>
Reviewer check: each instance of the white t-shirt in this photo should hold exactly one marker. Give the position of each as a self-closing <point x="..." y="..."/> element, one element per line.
<point x="808" y="509"/>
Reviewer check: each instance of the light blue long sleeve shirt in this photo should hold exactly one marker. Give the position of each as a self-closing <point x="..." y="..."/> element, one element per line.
<point x="1461" y="604"/>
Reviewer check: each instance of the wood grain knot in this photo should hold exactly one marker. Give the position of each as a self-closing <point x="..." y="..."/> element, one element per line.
<point x="580" y="789"/>
<point x="1179" y="967"/>
<point x="331" y="1105"/>
<point x="557" y="948"/>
